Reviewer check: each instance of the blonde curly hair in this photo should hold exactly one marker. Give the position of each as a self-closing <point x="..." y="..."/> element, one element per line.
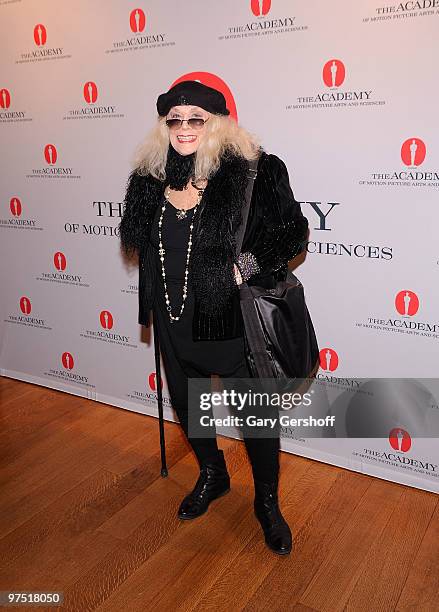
<point x="222" y="134"/>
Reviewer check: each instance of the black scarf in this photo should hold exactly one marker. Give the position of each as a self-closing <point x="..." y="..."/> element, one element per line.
<point x="179" y="168"/>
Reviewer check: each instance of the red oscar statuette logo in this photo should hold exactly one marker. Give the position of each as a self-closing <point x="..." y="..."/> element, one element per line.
<point x="40" y="35"/>
<point x="5" y="98"/>
<point x="60" y="261"/>
<point x="333" y="73"/>
<point x="328" y="359"/>
<point x="152" y="381"/>
<point x="15" y="206"/>
<point x="260" y="7"/>
<point x="67" y="361"/>
<point x="137" y="20"/>
<point x="50" y="154"/>
<point x="407" y="303"/>
<point x="413" y="152"/>
<point x="90" y="92"/>
<point x="106" y="319"/>
<point x="25" y="305"/>
<point x="400" y="439"/>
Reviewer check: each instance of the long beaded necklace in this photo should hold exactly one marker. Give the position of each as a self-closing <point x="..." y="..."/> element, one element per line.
<point x="189" y="247"/>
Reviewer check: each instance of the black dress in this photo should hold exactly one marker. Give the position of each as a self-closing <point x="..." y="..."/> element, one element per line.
<point x="203" y="357"/>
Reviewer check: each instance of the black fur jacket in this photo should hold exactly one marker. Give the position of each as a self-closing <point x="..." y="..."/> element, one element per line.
<point x="276" y="232"/>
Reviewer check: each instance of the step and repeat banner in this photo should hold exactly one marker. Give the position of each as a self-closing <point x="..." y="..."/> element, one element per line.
<point x="344" y="92"/>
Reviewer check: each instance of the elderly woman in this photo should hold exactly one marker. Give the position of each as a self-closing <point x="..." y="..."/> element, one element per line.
<point x="182" y="209"/>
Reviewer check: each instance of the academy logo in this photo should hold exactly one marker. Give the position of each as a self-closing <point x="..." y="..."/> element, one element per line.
<point x="108" y="331"/>
<point x="8" y="114"/>
<point x="69" y="374"/>
<point x="265" y="23"/>
<point x="16" y="219"/>
<point x="45" y="48"/>
<point x="407" y="304"/>
<point x="343" y="90"/>
<point x="26" y="315"/>
<point x="413" y="154"/>
<point x="51" y="168"/>
<point x="61" y="275"/>
<point x="403" y="11"/>
<point x="138" y="34"/>
<point x="94" y="109"/>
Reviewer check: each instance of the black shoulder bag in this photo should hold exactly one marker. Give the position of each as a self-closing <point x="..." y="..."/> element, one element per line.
<point x="280" y="340"/>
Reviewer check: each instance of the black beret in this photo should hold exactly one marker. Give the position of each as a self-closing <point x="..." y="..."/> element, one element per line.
<point x="193" y="93"/>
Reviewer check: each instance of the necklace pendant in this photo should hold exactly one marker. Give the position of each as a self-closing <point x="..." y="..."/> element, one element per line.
<point x="181" y="214"/>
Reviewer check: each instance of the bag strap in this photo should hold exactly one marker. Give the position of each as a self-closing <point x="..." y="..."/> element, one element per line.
<point x="251" y="175"/>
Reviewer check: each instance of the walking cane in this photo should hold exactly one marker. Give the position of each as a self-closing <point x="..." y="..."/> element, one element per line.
<point x="158" y="378"/>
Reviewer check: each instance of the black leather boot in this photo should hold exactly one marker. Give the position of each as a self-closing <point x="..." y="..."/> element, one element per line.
<point x="213" y="482"/>
<point x="276" y="530"/>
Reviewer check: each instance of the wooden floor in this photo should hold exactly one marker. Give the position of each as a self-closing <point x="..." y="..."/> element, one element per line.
<point x="85" y="511"/>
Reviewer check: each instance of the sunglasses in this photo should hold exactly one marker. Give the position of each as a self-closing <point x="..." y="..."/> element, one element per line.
<point x="195" y="122"/>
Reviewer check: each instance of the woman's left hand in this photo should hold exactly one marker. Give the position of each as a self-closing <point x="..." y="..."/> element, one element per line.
<point x="238" y="277"/>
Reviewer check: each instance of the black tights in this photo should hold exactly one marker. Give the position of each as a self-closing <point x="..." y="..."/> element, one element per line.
<point x="263" y="452"/>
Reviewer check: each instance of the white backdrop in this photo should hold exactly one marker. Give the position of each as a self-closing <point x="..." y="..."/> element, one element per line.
<point x="344" y="92"/>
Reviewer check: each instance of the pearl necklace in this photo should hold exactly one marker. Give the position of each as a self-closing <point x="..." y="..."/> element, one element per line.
<point x="162" y="256"/>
